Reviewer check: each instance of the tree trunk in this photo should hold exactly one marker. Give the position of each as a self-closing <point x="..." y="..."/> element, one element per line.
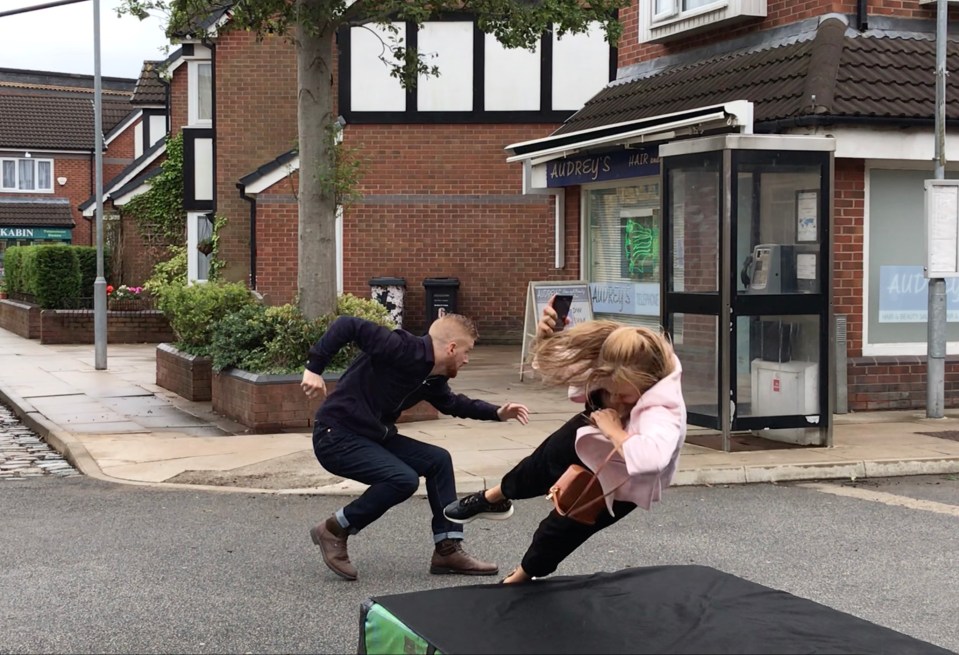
<point x="316" y="251"/>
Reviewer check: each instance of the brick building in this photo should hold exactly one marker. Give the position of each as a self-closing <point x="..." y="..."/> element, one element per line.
<point x="132" y="255"/>
<point x="47" y="152"/>
<point x="436" y="199"/>
<point x="858" y="73"/>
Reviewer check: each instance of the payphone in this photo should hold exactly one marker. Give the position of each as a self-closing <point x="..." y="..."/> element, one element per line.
<point x="779" y="268"/>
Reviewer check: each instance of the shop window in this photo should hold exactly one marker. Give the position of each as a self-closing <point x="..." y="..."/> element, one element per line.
<point x="897" y="300"/>
<point x="623" y="265"/>
<point x="27" y="174"/>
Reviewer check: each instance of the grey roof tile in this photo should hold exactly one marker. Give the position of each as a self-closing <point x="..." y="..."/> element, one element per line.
<point x="863" y="75"/>
<point x="150" y="89"/>
<point x="55" y="122"/>
<point x="35" y="212"/>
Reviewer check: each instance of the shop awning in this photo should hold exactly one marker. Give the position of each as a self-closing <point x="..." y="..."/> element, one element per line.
<point x="730" y="115"/>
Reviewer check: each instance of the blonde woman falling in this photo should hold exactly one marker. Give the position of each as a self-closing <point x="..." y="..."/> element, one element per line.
<point x="629" y="378"/>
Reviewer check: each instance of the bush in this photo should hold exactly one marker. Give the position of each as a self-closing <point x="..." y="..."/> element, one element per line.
<point x="169" y="273"/>
<point x="87" y="257"/>
<point x="56" y="276"/>
<point x="22" y="271"/>
<point x="13" y="269"/>
<point x="194" y="310"/>
<point x="275" y="340"/>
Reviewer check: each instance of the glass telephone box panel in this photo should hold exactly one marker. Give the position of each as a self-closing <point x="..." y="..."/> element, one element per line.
<point x="778" y="228"/>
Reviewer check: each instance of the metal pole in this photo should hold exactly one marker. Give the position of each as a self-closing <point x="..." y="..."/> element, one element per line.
<point x="23" y="10"/>
<point x="100" y="285"/>
<point x="936" y="339"/>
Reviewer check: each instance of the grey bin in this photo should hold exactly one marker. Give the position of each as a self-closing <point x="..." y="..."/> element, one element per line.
<point x="391" y="293"/>
<point x="441" y="297"/>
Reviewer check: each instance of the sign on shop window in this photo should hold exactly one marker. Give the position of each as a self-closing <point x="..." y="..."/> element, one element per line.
<point x="904" y="295"/>
<point x="640" y="256"/>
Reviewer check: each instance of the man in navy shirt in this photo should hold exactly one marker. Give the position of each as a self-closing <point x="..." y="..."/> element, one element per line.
<point x="355" y="432"/>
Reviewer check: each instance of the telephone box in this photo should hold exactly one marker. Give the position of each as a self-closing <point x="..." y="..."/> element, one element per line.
<point x="747" y="259"/>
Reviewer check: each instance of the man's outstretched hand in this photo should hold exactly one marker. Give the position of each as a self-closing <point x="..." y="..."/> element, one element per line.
<point x="513" y="410"/>
<point x="313" y="385"/>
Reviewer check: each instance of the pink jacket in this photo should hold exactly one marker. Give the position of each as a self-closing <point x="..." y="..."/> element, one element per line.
<point x="657" y="425"/>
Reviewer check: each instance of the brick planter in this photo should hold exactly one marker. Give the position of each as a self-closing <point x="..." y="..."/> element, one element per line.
<point x="21" y="318"/>
<point x="267" y="403"/>
<point x="186" y="375"/>
<point x="76" y="326"/>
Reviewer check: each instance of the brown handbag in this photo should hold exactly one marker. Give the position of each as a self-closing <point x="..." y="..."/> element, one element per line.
<point x="578" y="494"/>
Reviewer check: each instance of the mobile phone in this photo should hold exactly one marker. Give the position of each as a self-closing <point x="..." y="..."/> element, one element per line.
<point x="561" y="305"/>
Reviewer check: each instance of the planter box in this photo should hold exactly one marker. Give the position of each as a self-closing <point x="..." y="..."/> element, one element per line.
<point x="186" y="375"/>
<point x="21" y="318"/>
<point x="266" y="403"/>
<point x="76" y="326"/>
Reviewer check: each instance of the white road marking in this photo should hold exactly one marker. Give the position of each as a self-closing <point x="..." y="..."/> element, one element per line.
<point x="883" y="497"/>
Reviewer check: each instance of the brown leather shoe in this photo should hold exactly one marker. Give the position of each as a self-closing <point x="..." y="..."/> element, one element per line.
<point x="333" y="549"/>
<point x="450" y="558"/>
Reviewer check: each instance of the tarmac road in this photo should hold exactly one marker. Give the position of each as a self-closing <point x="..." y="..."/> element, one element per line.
<point x="94" y="567"/>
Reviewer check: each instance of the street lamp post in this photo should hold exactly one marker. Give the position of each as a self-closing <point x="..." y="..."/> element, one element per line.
<point x="936" y="314"/>
<point x="100" y="285"/>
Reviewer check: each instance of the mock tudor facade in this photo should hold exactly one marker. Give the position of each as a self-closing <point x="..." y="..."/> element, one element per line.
<point x="436" y="197"/>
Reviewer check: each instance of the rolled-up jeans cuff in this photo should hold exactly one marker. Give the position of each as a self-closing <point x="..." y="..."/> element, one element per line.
<point x="447" y="535"/>
<point x="344" y="523"/>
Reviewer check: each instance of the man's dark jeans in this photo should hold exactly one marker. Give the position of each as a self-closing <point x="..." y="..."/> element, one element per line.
<point x="392" y="468"/>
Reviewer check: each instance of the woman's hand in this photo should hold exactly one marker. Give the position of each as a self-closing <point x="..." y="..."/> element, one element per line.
<point x="547" y="322"/>
<point x="609" y="423"/>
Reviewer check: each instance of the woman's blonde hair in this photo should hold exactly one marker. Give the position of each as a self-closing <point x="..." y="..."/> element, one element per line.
<point x="595" y="353"/>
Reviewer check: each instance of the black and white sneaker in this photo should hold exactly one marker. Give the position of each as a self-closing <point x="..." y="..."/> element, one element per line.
<point x="475" y="506"/>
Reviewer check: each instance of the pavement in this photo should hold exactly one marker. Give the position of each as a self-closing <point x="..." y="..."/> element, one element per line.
<point x="118" y="425"/>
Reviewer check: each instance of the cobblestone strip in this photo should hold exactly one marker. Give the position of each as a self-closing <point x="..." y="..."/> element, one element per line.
<point x="24" y="455"/>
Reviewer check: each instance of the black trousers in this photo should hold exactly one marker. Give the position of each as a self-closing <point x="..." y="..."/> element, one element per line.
<point x="557" y="536"/>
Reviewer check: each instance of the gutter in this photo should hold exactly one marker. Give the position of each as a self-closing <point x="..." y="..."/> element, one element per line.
<point x="252" y="201"/>
<point x="823" y="120"/>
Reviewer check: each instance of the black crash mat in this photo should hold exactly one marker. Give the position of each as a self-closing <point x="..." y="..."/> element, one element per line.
<point x="668" y="609"/>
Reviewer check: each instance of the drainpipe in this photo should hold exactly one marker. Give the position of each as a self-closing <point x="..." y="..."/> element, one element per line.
<point x="252" y="201"/>
<point x="862" y="15"/>
<point x="212" y="46"/>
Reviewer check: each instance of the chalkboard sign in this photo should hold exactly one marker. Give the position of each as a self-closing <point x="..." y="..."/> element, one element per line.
<point x="537" y="297"/>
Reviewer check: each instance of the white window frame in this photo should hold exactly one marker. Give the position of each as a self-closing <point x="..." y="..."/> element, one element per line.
<point x="673" y="22"/>
<point x="193" y="93"/>
<point x="16" y="174"/>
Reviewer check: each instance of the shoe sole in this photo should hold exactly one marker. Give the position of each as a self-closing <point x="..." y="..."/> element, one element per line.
<point x="315" y="536"/>
<point x="437" y="570"/>
<point x="489" y="516"/>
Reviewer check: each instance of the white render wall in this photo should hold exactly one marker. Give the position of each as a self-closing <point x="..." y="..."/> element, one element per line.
<point x="511" y="77"/>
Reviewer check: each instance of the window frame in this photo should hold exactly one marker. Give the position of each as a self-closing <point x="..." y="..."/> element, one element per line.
<point x="36" y="175"/>
<point x="676" y="23"/>
<point x="193" y="93"/>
